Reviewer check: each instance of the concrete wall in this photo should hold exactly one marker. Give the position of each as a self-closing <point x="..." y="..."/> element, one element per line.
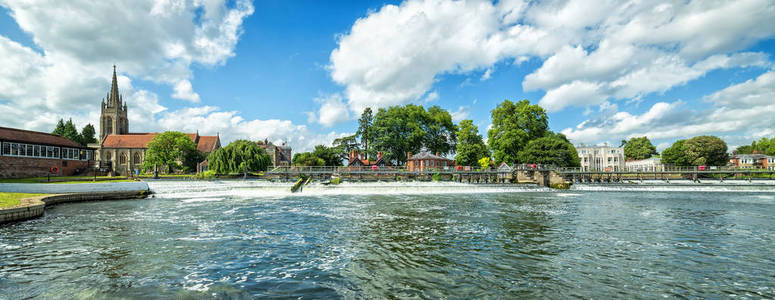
<point x="20" y="167"/>
<point x="34" y="207"/>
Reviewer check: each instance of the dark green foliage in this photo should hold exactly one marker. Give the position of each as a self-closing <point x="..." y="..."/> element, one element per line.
<point x="241" y="156"/>
<point x="763" y="146"/>
<point x="328" y="154"/>
<point x="706" y="150"/>
<point x="513" y="126"/>
<point x="639" y="148"/>
<point x="402" y="129"/>
<point x="60" y="128"/>
<point x="470" y="145"/>
<point x="344" y="145"/>
<point x="172" y="151"/>
<point x="87" y="135"/>
<point x="550" y="150"/>
<point x="307" y="159"/>
<point x="366" y="131"/>
<point x="71" y="133"/>
<point x="676" y="154"/>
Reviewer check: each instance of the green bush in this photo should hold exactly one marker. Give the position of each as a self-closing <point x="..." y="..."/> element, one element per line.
<point x="398" y="178"/>
<point x="336" y="180"/>
<point x="560" y="186"/>
<point x="209" y="174"/>
<point x="436" y="177"/>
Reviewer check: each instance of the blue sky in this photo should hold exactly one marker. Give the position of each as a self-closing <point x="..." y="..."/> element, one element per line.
<point x="302" y="71"/>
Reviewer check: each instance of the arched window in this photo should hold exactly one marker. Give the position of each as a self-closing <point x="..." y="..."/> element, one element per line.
<point x="108" y="156"/>
<point x="136" y="159"/>
<point x="122" y="159"/>
<point x="109" y="125"/>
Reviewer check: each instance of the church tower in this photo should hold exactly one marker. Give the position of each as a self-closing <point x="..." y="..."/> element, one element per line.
<point x="113" y="118"/>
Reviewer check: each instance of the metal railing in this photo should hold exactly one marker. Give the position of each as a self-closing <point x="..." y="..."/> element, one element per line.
<point x="665" y="169"/>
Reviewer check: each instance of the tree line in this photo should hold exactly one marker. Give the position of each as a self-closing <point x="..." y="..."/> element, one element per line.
<point x="68" y="130"/>
<point x="696" y="151"/>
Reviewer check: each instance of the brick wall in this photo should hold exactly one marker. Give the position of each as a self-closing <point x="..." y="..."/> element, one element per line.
<point x="20" y="167"/>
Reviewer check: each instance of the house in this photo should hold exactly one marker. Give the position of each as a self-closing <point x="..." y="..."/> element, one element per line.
<point x="752" y="161"/>
<point x="25" y="153"/>
<point x="601" y="158"/>
<point x="279" y="155"/>
<point x="645" y="165"/>
<point x="426" y="161"/>
<point x="356" y="159"/>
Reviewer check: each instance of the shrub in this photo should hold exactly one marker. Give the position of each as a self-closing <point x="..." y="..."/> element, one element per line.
<point x="436" y="177"/>
<point x="560" y="186"/>
<point x="336" y="180"/>
<point x="209" y="174"/>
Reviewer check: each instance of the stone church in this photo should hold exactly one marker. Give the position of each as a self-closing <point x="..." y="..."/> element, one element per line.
<point x="122" y="150"/>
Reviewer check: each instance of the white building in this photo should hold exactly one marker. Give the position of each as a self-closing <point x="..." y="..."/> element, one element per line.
<point x="601" y="158"/>
<point x="645" y="165"/>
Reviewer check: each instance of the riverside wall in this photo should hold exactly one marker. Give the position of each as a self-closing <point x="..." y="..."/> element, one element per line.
<point x="34" y="207"/>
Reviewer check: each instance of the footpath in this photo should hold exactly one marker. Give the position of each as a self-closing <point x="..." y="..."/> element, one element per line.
<point x="34" y="207"/>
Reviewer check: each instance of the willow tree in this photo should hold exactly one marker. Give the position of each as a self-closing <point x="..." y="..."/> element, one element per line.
<point x="241" y="156"/>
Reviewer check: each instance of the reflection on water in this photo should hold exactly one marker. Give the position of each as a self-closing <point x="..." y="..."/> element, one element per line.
<point x="249" y="239"/>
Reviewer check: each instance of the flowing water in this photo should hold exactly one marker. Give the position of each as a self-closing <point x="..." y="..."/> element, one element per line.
<point x="424" y="240"/>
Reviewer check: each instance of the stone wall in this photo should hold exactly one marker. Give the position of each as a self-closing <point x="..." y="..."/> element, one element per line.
<point x="20" y="167"/>
<point x="34" y="207"/>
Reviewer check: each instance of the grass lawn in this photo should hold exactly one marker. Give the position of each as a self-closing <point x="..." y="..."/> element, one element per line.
<point x="12" y="199"/>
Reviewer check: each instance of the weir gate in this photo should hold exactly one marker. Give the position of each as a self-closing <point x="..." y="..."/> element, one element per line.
<point x="541" y="175"/>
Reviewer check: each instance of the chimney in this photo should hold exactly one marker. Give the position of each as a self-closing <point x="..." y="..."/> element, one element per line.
<point x="266" y="141"/>
<point x="379" y="155"/>
<point x="408" y="155"/>
<point x="755" y="152"/>
<point x="363" y="156"/>
<point x="437" y="154"/>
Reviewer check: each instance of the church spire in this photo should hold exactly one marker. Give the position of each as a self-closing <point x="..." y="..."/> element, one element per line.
<point x="114" y="96"/>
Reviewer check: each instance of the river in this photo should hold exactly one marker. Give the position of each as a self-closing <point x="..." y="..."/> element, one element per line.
<point x="386" y="240"/>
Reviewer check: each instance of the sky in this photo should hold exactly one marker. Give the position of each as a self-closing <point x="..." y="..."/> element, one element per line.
<point x="303" y="71"/>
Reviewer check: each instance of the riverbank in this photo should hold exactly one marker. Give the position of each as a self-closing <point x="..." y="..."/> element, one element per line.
<point x="33" y="207"/>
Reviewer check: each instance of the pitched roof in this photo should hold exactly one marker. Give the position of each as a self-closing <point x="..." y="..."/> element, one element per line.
<point x="35" y="137"/>
<point x="427" y="155"/>
<point x="141" y="140"/>
<point x="208" y="144"/>
<point x="750" y="156"/>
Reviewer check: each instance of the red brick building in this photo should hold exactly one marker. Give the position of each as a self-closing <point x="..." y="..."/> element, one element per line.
<point x="25" y="153"/>
<point x="425" y="161"/>
<point x="357" y="159"/>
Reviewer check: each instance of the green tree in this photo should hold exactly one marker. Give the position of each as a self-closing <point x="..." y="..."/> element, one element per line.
<point x="484" y="162"/>
<point x="365" y="131"/>
<point x="171" y="151"/>
<point x="513" y="126"/>
<point x="329" y="155"/>
<point x="307" y="159"/>
<point x="551" y="150"/>
<point x="747" y="149"/>
<point x="71" y="133"/>
<point x="706" y="150"/>
<point x="87" y="135"/>
<point x="401" y="129"/>
<point x="470" y="145"/>
<point x="639" y="148"/>
<point x="240" y="156"/>
<point x="676" y="154"/>
<point x="60" y="128"/>
<point x="344" y="145"/>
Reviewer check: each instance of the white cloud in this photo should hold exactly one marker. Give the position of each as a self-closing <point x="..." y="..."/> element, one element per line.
<point x="184" y="91"/>
<point x="460" y="114"/>
<point x="740" y="113"/>
<point x="332" y="111"/>
<point x="606" y="49"/>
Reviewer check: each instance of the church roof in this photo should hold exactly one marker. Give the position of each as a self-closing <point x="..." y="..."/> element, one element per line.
<point x="140" y="140"/>
<point x="35" y="137"/>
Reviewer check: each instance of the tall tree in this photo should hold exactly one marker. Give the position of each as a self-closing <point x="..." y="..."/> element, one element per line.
<point x="87" y="135"/>
<point x="513" y="126"/>
<point x="307" y="159"/>
<point x="240" y="156"/>
<point x="328" y="154"/>
<point x="60" y="128"/>
<point x="639" y="148"/>
<point x="71" y="133"/>
<point x="706" y="150"/>
<point x="441" y="131"/>
<point x="401" y="129"/>
<point x="171" y="151"/>
<point x="344" y="145"/>
<point x="676" y="154"/>
<point x="365" y="131"/>
<point x="470" y="145"/>
<point x="550" y="150"/>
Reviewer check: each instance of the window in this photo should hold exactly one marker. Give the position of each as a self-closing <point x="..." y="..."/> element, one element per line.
<point x="37" y="150"/>
<point x="108" y="156"/>
<point x="136" y="159"/>
<point x="122" y="158"/>
<point x="6" y="149"/>
<point x="14" y="149"/>
<point x="109" y="125"/>
<point x="56" y="152"/>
